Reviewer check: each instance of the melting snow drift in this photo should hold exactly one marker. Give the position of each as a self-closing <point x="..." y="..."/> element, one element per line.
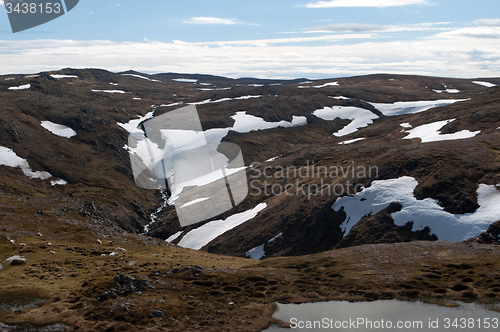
<point x="109" y="91"/>
<point x="174" y="237"/>
<point x="11" y="159"/>
<point x="142" y="77"/>
<point x="411" y="107"/>
<point x="58" y="129"/>
<point x="63" y="76"/>
<point x="447" y="91"/>
<point x="352" y="141"/>
<point x="245" y="123"/>
<point x="21" y="87"/>
<point x="431" y="132"/>
<point x="201" y="236"/>
<point x="486" y="84"/>
<point x="360" y="117"/>
<point x="318" y="86"/>
<point x="185" y="80"/>
<point x="423" y="213"/>
<point x="259" y="251"/>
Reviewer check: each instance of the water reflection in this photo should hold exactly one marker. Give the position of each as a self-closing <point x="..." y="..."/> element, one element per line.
<point x="32" y="328"/>
<point x="19" y="301"/>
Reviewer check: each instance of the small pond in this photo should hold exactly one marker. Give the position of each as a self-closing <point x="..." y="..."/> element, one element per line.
<point x="58" y="327"/>
<point x="19" y="301"/>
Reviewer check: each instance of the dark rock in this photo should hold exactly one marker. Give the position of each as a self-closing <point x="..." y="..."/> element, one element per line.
<point x="158" y="313"/>
<point x="380" y="228"/>
<point x="17" y="262"/>
<point x="124" y="279"/>
<point x="125" y="285"/>
<point x="105" y="295"/>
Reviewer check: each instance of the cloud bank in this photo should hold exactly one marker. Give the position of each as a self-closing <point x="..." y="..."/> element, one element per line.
<point x="460" y="52"/>
<point x="365" y="3"/>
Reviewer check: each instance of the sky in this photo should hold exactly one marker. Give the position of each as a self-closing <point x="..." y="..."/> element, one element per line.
<point x="264" y="38"/>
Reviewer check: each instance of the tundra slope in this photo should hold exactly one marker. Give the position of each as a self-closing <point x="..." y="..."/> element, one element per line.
<point x="91" y="170"/>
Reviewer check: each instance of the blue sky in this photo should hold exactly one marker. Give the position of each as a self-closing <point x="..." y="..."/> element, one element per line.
<point x="273" y="38"/>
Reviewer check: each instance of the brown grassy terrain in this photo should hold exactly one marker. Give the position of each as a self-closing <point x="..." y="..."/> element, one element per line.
<point x="198" y="291"/>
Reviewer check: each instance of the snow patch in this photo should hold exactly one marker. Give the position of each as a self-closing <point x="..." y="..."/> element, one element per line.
<point x="447" y="91"/>
<point x="59" y="182"/>
<point x="360" y="117"/>
<point x="184" y="80"/>
<point x="352" y="141"/>
<point x="256" y="253"/>
<point x="299" y="120"/>
<point x="423" y="213"/>
<point x="173" y="104"/>
<point x="245" y="123"/>
<point x="109" y="91"/>
<point x="21" y="87"/>
<point x="431" y="132"/>
<point x="174" y="237"/>
<point x="411" y="107"/>
<point x="272" y="159"/>
<point x="131" y="126"/>
<point x="339" y="98"/>
<point x="319" y="86"/>
<point x="201" y="236"/>
<point x="9" y="158"/>
<point x="210" y="101"/>
<point x="58" y="129"/>
<point x="199" y="200"/>
<point x="259" y="252"/>
<point x="63" y="76"/>
<point x="142" y="77"/>
<point x="486" y="84"/>
<point x="15" y="258"/>
<point x="406" y="125"/>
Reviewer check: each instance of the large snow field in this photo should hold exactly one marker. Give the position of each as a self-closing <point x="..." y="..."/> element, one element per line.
<point x="423" y="213"/>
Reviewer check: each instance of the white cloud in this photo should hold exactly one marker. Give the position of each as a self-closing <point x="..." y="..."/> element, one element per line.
<point x="267" y="42"/>
<point x="457" y="53"/>
<point x="485" y="32"/>
<point x="348" y="27"/>
<point x="1" y="2"/>
<point x="211" y="20"/>
<point x="362" y="27"/>
<point x="495" y="22"/>
<point x="365" y="3"/>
